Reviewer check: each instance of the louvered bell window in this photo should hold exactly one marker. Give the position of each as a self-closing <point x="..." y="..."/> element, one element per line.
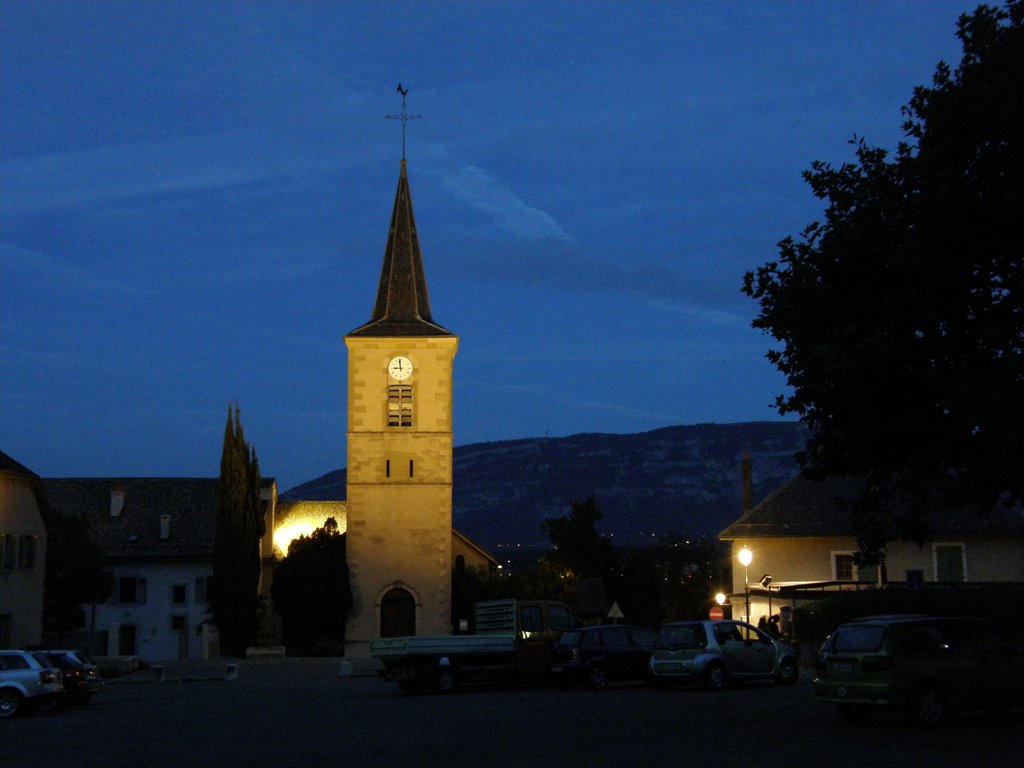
<point x="400" y="405"/>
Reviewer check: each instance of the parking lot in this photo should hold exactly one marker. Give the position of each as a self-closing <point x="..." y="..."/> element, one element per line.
<point x="305" y="713"/>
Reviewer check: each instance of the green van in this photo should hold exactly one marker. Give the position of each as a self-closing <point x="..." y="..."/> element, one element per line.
<point x="921" y="666"/>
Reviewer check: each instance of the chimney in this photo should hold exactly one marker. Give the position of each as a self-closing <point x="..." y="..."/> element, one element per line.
<point x="748" y="484"/>
<point x="116" y="500"/>
<point x="165" y="527"/>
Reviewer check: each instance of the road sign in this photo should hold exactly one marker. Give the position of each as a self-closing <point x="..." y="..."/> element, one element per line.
<point x="716" y="613"/>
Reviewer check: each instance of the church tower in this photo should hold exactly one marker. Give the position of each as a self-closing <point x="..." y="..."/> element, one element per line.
<point x="399" y="451"/>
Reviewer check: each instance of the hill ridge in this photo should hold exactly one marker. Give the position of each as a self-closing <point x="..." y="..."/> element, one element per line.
<point x="684" y="479"/>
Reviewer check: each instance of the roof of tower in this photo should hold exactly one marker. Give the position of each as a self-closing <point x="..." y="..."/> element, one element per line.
<point x="403" y="307"/>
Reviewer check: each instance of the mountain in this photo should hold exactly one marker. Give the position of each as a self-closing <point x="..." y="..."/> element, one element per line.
<point x="684" y="480"/>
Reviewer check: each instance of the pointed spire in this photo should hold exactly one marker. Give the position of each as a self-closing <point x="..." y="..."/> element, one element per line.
<point x="402" y="307"/>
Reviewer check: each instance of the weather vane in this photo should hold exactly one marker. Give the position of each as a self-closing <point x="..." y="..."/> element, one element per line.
<point x="404" y="117"/>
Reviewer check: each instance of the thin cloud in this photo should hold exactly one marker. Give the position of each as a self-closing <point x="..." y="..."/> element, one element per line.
<point x="482" y="192"/>
<point x="149" y="168"/>
<point x="560" y="266"/>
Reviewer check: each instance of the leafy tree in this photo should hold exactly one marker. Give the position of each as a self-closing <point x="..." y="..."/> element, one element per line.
<point x="74" y="573"/>
<point x="240" y="525"/>
<point x="576" y="544"/>
<point x="312" y="593"/>
<point x="901" y="314"/>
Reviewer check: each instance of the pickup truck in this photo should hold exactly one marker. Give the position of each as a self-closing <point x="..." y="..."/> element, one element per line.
<point x="512" y="641"/>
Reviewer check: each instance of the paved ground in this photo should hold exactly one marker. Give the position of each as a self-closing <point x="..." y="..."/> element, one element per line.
<point x="307" y="712"/>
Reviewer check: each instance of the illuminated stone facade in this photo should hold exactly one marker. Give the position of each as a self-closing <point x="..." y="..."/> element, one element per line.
<point x="399" y="452"/>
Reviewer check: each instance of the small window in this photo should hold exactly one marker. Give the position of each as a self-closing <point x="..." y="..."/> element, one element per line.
<point x="399" y="405"/>
<point x="177" y="623"/>
<point x="27" y="552"/>
<point x="202" y="589"/>
<point x="179" y="594"/>
<point x="131" y="590"/>
<point x="6" y="551"/>
<point x="843" y="564"/>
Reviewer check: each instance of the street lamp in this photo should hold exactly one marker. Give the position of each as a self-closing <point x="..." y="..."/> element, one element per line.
<point x="745" y="556"/>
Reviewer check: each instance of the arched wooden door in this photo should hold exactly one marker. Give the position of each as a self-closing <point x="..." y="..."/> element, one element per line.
<point x="397" y="613"/>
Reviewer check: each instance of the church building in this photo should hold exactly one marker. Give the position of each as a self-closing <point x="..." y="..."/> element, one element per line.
<point x="401" y="546"/>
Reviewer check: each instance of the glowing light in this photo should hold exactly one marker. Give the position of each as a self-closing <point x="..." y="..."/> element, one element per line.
<point x="286" y="534"/>
<point x="745" y="556"/>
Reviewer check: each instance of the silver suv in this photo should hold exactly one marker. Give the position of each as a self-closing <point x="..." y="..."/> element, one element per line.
<point x="718" y="652"/>
<point x="27" y="679"/>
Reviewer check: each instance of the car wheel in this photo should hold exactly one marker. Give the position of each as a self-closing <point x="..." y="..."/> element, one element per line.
<point x="926" y="705"/>
<point x="446" y="680"/>
<point x="410" y="686"/>
<point x="714" y="677"/>
<point x="597" y="677"/>
<point x="10" y="702"/>
<point x="854" y="713"/>
<point x="789" y="672"/>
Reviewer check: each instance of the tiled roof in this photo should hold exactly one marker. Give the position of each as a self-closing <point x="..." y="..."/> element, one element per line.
<point x="9" y="465"/>
<point x="805" y="507"/>
<point x="402" y="307"/>
<point x="135" y="533"/>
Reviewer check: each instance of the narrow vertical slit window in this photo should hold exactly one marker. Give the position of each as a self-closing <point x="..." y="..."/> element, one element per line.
<point x="410" y="467"/>
<point x="399" y="405"/>
<point x="387" y="468"/>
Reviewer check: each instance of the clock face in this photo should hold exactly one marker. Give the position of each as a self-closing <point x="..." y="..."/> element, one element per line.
<point x="400" y="368"/>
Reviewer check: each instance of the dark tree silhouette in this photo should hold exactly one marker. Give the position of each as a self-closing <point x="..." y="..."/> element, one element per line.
<point x="240" y="525"/>
<point x="312" y="593"/>
<point x="901" y="314"/>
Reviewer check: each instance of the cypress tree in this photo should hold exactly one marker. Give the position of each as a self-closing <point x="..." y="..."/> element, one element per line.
<point x="236" y="563"/>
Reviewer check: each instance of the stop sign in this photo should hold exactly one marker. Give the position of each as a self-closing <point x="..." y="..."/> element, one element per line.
<point x="716" y="613"/>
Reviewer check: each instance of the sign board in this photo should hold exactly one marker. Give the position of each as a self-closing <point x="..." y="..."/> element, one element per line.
<point x="615" y="612"/>
<point x="716" y="613"/>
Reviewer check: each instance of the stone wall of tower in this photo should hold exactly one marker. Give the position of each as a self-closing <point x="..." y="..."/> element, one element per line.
<point x="399" y="521"/>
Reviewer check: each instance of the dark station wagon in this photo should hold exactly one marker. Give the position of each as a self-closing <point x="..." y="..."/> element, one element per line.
<point x="921" y="666"/>
<point x="596" y="656"/>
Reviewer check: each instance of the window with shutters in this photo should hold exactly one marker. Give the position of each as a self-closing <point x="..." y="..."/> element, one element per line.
<point x="950" y="563"/>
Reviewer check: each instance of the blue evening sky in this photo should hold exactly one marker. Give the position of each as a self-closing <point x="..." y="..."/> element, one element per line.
<point x="195" y="196"/>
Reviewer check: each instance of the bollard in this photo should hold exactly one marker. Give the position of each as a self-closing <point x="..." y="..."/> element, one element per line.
<point x="159" y="675"/>
<point x="231" y="673"/>
<point x="346" y="669"/>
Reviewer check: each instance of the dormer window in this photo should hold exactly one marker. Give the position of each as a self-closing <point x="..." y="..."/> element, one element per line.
<point x="399" y="405"/>
<point x="116" y="501"/>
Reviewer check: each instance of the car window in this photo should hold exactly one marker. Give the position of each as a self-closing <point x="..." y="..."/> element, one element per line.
<point x="531" y="618"/>
<point x="857" y="639"/>
<point x="559" y="617"/>
<point x="932" y="639"/>
<point x="684" y="636"/>
<point x="13" y="661"/>
<point x="572" y="637"/>
<point x="727" y="631"/>
<point x="643" y="637"/>
<point x="753" y="634"/>
<point x="615" y="637"/>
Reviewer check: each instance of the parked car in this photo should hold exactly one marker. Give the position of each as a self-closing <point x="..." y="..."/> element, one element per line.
<point x="920" y="666"/>
<point x="27" y="679"/>
<point x="79" y="657"/>
<point x="596" y="656"/>
<point x="81" y="678"/>
<point x="716" y="653"/>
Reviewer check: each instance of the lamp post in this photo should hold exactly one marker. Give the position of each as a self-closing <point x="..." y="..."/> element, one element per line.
<point x="745" y="557"/>
<point x="766" y="582"/>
